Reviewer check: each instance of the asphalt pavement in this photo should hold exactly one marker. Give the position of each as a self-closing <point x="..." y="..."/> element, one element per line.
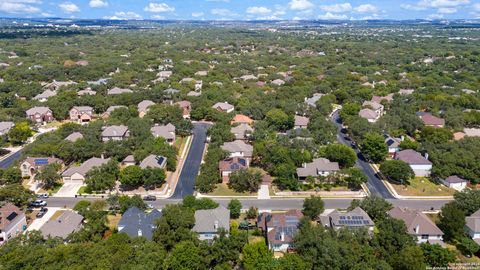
<point x="7" y="162"/>
<point x="374" y="184"/>
<point x="186" y="181"/>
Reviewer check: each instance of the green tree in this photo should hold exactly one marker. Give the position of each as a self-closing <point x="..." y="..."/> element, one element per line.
<point x="199" y="204"/>
<point x="312" y="207"/>
<point x="468" y="200"/>
<point x="153" y="177"/>
<point x="437" y="256"/>
<point x="131" y="176"/>
<point x="102" y="178"/>
<point x="467" y="246"/>
<point x="184" y="256"/>
<point x="279" y="120"/>
<point x="397" y="171"/>
<point x="125" y="202"/>
<point x="355" y="177"/>
<point x="409" y="258"/>
<point x="452" y="221"/>
<point x="257" y="256"/>
<point x="252" y="212"/>
<point x="245" y="180"/>
<point x="409" y="144"/>
<point x="49" y="175"/>
<point x="376" y="207"/>
<point x="174" y="226"/>
<point x="374" y="147"/>
<point x="12" y="175"/>
<point x="291" y="261"/>
<point x="20" y="133"/>
<point x="350" y="109"/>
<point x="16" y="194"/>
<point x="343" y="154"/>
<point x="235" y="206"/>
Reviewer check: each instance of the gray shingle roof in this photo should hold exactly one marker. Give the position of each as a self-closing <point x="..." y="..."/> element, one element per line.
<point x="224" y="106"/>
<point x="301" y="120"/>
<point x="115" y="131"/>
<point x="241" y="131"/>
<point x="143" y="106"/>
<point x="166" y="131"/>
<point x="85" y="167"/>
<point x="412" y="157"/>
<point x="207" y="221"/>
<point x="39" y="110"/>
<point x="45" y="95"/>
<point x="368" y="114"/>
<point x="417" y="222"/>
<point x="312" y="100"/>
<point x="153" y="161"/>
<point x="75" y="136"/>
<point x="473" y="221"/>
<point x="67" y="223"/>
<point x="319" y="164"/>
<point x="6" y="126"/>
<point x="352" y="219"/>
<point x="136" y="223"/>
<point x="112" y="108"/>
<point x="238" y="146"/>
<point x="117" y="91"/>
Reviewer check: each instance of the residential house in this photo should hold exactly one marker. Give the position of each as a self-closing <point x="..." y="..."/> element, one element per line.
<point x="430" y="120"/>
<point x="406" y="92"/>
<point x="318" y="167"/>
<point x="248" y="77"/>
<point x="128" y="161"/>
<point x="242" y="131"/>
<point x="241" y="119"/>
<point x="201" y="73"/>
<point x="208" y="223"/>
<point x="472" y="226"/>
<point x="143" y="107"/>
<point x="101" y="81"/>
<point x="369" y="114"/>
<point x="313" y="100"/>
<point x="301" y="122"/>
<point x="230" y="165"/>
<point x="115" y="133"/>
<point x="393" y="145"/>
<point x="379" y="99"/>
<point x="5" y="127"/>
<point x="472" y="132"/>
<point x="75" y="136"/>
<point x="194" y="94"/>
<point x="186" y="106"/>
<point x="280" y="228"/>
<point x="81" y="114"/>
<point x="118" y="91"/>
<point x="45" y="95"/>
<point x="278" y="82"/>
<point x="40" y="115"/>
<point x="418" y="225"/>
<point x="31" y="165"/>
<point x="56" y="85"/>
<point x="420" y="165"/>
<point x="170" y="92"/>
<point x="12" y="222"/>
<point x="154" y="162"/>
<point x="62" y="226"/>
<point x="110" y="109"/>
<point x="239" y="148"/>
<point x="86" y="92"/>
<point x="354" y="219"/>
<point x="455" y="182"/>
<point x="224" y="107"/>
<point x="136" y="223"/>
<point x="166" y="131"/>
<point x="377" y="107"/>
<point x="78" y="173"/>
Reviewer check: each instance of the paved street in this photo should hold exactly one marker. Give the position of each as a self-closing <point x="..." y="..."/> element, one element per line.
<point x="374" y="184"/>
<point x="272" y="204"/>
<point x="186" y="181"/>
<point x="4" y="164"/>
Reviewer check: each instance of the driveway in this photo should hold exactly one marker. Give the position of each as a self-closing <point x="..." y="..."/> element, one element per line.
<point x="263" y="193"/>
<point x="38" y="223"/>
<point x="69" y="189"/>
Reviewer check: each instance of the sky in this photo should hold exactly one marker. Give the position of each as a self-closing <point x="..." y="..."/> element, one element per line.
<point x="242" y="9"/>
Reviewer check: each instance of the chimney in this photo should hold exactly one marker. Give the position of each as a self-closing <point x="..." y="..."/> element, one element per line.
<point x="402" y="138"/>
<point x="304" y="165"/>
<point x="139" y="233"/>
<point x="282" y="236"/>
<point x="426" y="156"/>
<point x="417" y="228"/>
<point x="215" y="225"/>
<point x="102" y="156"/>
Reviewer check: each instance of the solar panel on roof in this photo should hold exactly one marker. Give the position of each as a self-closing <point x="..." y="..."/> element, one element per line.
<point x="41" y="161"/>
<point x="12" y="216"/>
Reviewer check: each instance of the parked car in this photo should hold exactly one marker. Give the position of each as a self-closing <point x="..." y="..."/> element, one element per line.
<point x="38" y="203"/>
<point x="149" y="198"/>
<point x="42" y="212"/>
<point x="43" y="195"/>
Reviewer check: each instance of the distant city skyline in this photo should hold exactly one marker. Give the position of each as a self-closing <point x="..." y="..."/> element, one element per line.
<point x="242" y="10"/>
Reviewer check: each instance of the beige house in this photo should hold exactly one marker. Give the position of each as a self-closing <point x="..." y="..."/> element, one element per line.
<point x="78" y="173"/>
<point x="12" y="222"/>
<point x="31" y="165"/>
<point x="81" y="114"/>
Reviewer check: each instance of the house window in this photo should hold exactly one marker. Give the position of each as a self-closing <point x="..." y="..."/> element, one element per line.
<point x="424" y="236"/>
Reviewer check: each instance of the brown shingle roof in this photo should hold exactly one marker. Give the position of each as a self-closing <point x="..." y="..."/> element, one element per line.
<point x="417" y="222"/>
<point x="412" y="157"/>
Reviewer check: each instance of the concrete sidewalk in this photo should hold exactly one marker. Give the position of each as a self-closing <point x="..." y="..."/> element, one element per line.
<point x="69" y="189"/>
<point x="39" y="222"/>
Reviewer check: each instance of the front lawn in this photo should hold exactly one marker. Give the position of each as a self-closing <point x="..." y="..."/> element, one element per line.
<point x="223" y="190"/>
<point x="421" y="186"/>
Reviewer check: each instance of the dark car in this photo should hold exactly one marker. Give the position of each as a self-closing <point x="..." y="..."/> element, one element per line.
<point x="42" y="212"/>
<point x="150" y="198"/>
<point x="38" y="203"/>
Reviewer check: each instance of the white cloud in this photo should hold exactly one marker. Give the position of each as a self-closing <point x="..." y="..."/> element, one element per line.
<point x="332" y="16"/>
<point x="258" y="10"/>
<point x="280" y="10"/>
<point x="158" y="8"/>
<point x="447" y="10"/>
<point x="98" y="3"/>
<point x="129" y="15"/>
<point x="337" y="8"/>
<point x="435" y="16"/>
<point x="158" y="17"/>
<point x="412" y="7"/>
<point x="16" y="7"/>
<point x="69" y="7"/>
<point x="427" y="4"/>
<point x="225" y="1"/>
<point x="366" y="8"/>
<point x="223" y="12"/>
<point x="476" y="7"/>
<point x="197" y="14"/>
<point x="300" y="4"/>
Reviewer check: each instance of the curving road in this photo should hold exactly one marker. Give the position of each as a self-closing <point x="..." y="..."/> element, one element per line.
<point x="7" y="162"/>
<point x="374" y="184"/>
<point x="186" y="181"/>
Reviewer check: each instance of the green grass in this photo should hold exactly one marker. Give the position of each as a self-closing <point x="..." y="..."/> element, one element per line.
<point x="82" y="190"/>
<point x="421" y="186"/>
<point x="223" y="190"/>
<point x="55" y="188"/>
